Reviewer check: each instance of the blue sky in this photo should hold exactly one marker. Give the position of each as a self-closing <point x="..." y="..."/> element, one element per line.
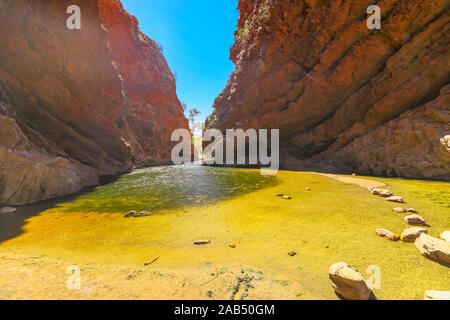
<point x="196" y="37"/>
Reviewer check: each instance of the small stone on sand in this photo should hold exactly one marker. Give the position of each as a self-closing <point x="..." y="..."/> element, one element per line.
<point x="387" y="234"/>
<point x="415" y="220"/>
<point x="201" y="242"/>
<point x="130" y="214"/>
<point x="141" y="214"/>
<point x="395" y="199"/>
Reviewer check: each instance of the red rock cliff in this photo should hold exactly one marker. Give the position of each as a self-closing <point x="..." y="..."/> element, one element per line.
<point x="371" y="101"/>
<point x="76" y="104"/>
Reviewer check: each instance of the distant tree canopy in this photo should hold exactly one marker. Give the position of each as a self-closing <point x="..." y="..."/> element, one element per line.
<point x="193" y="113"/>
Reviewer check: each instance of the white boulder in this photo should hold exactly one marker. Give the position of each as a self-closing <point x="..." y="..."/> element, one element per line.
<point x="434" y="249"/>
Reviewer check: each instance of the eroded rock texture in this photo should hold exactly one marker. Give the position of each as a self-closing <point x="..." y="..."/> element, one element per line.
<point x="154" y="109"/>
<point x="370" y="101"/>
<point x="77" y="104"/>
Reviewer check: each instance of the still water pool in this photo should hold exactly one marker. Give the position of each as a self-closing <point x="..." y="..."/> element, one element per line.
<point x="157" y="189"/>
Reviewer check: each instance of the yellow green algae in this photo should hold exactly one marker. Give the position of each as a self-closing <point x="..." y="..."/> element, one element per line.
<point x="334" y="221"/>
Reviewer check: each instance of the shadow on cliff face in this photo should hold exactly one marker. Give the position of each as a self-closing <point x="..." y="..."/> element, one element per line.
<point x="11" y="225"/>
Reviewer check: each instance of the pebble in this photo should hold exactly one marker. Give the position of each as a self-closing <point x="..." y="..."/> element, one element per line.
<point x="141" y="214"/>
<point x="7" y="210"/>
<point x="201" y="242"/>
<point x="130" y="214"/>
<point x="380" y="192"/>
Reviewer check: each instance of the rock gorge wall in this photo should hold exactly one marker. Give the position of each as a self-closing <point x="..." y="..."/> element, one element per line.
<point x="345" y="97"/>
<point x="78" y="104"/>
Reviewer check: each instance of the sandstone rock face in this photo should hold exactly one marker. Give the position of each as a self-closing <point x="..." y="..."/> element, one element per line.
<point x="434" y="249"/>
<point x="65" y="106"/>
<point x="29" y="173"/>
<point x="348" y="282"/>
<point x="154" y="109"/>
<point x="344" y="96"/>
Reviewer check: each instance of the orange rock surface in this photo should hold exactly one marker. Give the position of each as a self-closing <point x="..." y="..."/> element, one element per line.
<point x="344" y="97"/>
<point x="101" y="99"/>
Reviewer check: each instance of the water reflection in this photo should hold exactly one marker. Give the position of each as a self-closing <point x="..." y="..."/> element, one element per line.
<point x="151" y="189"/>
<point x="160" y="188"/>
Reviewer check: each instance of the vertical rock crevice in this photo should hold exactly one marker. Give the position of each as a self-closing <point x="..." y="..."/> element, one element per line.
<point x="315" y="71"/>
<point x="85" y="103"/>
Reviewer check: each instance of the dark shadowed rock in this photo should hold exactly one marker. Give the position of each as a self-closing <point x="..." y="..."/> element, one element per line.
<point x="130" y="214"/>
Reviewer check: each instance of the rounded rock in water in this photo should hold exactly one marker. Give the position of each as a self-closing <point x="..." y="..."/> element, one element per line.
<point x="7" y="210"/>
